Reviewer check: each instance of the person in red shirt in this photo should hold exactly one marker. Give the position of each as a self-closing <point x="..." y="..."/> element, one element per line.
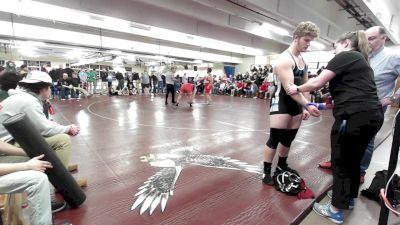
<point x="239" y="88"/>
<point x="263" y="90"/>
<point x="189" y="90"/>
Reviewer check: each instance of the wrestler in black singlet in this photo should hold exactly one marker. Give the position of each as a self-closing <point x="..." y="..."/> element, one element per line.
<point x="282" y="103"/>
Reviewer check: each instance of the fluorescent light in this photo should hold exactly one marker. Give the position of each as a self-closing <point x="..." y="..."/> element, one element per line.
<point x="83" y="39"/>
<point x="33" y="43"/>
<point x="57" y="13"/>
<point x="115" y="52"/>
<point x="275" y="29"/>
<point x="74" y="54"/>
<point x="28" y="52"/>
<point x="198" y="61"/>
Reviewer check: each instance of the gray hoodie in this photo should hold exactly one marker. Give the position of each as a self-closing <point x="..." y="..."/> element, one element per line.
<point x="21" y="101"/>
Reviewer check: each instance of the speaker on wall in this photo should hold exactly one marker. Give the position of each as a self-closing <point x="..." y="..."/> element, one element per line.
<point x="186" y="67"/>
<point x="195" y="68"/>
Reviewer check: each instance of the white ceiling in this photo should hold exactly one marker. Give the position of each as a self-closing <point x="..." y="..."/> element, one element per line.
<point x="213" y="30"/>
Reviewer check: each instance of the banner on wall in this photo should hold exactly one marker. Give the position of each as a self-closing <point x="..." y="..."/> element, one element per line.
<point x="229" y="70"/>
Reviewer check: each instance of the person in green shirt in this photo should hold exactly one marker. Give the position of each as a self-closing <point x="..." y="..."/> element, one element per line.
<point x="91" y="81"/>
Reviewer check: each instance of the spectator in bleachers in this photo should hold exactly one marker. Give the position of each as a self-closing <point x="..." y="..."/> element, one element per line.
<point x="120" y="78"/>
<point x="64" y="85"/>
<point x="239" y="88"/>
<point x="9" y="80"/>
<point x="263" y="90"/>
<point x="23" y="71"/>
<point x="154" y="82"/>
<point x="161" y="82"/>
<point x="103" y="77"/>
<point x="145" y="81"/>
<point x="129" y="83"/>
<point x="75" y="82"/>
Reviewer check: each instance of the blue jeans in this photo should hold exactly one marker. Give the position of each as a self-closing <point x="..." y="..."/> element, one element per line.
<point x="36" y="185"/>
<point x="64" y="93"/>
<point x="366" y="160"/>
<point x="160" y="86"/>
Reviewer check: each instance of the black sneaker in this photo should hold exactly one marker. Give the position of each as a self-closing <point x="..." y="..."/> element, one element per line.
<point x="57" y="206"/>
<point x="268" y="179"/>
<point x="286" y="168"/>
<point x="190" y="104"/>
<point x="176" y="104"/>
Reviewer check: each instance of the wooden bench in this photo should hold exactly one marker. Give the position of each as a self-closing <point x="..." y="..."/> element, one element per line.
<point x="10" y="208"/>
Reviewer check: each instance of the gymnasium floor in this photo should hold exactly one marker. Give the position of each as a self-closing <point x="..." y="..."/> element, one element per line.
<point x="117" y="130"/>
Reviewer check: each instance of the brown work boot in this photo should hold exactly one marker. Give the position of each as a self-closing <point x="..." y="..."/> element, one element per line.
<point x="82" y="182"/>
<point x="72" y="167"/>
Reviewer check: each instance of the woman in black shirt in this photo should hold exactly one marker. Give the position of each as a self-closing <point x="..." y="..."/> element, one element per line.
<point x="358" y="117"/>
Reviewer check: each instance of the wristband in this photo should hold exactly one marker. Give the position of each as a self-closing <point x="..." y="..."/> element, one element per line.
<point x="320" y="106"/>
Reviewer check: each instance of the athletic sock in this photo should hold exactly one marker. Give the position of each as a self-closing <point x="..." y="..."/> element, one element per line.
<point x="267" y="167"/>
<point x="282" y="162"/>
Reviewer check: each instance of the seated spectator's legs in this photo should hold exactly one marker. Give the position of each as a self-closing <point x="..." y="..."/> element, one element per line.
<point x="13" y="159"/>
<point x="64" y="93"/>
<point x="74" y="94"/>
<point x="54" y="91"/>
<point x="36" y="185"/>
<point x="61" y="144"/>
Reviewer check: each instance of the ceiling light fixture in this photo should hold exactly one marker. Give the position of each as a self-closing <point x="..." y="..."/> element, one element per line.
<point x="57" y="13"/>
<point x="275" y="29"/>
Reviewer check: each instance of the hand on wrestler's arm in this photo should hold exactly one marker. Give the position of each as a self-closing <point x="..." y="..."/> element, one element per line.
<point x="312" y="84"/>
<point x="285" y="74"/>
<point x="284" y="71"/>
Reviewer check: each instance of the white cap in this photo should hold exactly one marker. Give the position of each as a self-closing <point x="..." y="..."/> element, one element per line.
<point x="36" y="77"/>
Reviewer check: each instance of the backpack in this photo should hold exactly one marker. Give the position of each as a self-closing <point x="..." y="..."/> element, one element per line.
<point x="288" y="182"/>
<point x="378" y="183"/>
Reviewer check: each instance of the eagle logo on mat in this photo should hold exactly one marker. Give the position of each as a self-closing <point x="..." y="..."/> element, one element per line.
<point x="159" y="187"/>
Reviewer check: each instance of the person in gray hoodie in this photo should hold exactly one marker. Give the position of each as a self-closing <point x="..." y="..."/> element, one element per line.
<point x="29" y="100"/>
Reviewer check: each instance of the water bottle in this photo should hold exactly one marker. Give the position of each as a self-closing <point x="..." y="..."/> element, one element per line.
<point x="25" y="215"/>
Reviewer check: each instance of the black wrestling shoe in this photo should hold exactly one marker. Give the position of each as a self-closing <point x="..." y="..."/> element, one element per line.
<point x="57" y="206"/>
<point x="286" y="168"/>
<point x="268" y="178"/>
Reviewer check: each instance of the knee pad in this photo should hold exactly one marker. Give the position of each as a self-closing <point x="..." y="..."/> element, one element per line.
<point x="288" y="136"/>
<point x="275" y="137"/>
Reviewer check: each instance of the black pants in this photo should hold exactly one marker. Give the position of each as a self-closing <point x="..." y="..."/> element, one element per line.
<point x="349" y="141"/>
<point x="170" y="88"/>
